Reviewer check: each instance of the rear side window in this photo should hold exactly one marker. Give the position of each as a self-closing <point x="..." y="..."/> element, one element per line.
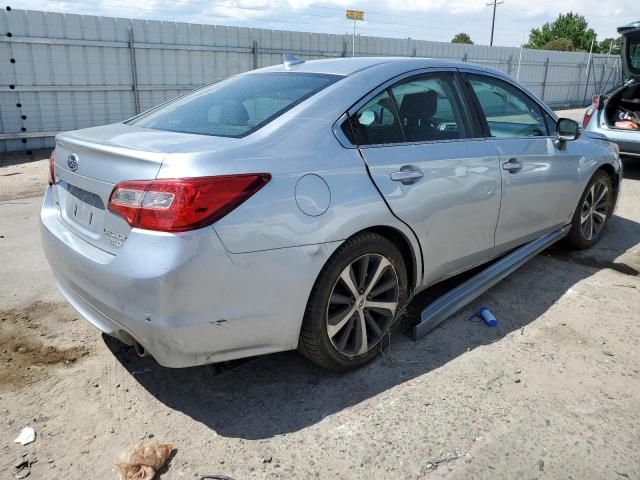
<point x="509" y="111"/>
<point x="420" y="109"/>
<point x="235" y="107"/>
<point x="429" y="110"/>
<point x="377" y="122"/>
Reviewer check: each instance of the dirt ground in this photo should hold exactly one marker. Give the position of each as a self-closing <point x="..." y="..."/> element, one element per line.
<point x="22" y="176"/>
<point x="552" y="392"/>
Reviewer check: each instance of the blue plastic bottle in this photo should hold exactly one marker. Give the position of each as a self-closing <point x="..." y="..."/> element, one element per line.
<point x="487" y="317"/>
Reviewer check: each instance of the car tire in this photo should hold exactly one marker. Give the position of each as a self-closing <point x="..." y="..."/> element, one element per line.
<point x="354" y="293"/>
<point x="592" y="213"/>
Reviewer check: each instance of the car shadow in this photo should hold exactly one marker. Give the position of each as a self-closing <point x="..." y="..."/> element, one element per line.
<point x="631" y="168"/>
<point x="282" y="393"/>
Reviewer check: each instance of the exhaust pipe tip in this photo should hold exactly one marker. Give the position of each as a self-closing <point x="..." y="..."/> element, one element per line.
<point x="140" y="350"/>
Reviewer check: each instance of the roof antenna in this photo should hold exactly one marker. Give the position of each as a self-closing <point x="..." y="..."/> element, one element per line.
<point x="289" y="60"/>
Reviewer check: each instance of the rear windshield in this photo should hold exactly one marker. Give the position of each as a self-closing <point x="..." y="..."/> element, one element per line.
<point x="237" y="106"/>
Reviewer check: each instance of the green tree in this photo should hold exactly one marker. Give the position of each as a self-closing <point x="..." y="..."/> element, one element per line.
<point x="462" y="38"/>
<point x="559" y="44"/>
<point x="568" y="26"/>
<point x="614" y="43"/>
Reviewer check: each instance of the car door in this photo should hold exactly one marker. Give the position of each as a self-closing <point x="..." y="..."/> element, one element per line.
<point x="420" y="148"/>
<point x="539" y="178"/>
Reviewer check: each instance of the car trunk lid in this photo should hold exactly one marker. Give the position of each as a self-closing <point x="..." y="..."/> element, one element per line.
<point x="89" y="163"/>
<point x="630" y="50"/>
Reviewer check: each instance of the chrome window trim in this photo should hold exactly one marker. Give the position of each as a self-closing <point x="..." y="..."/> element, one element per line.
<point x="546" y="137"/>
<point x="339" y="133"/>
<point x="424" y="142"/>
<point x="344" y="141"/>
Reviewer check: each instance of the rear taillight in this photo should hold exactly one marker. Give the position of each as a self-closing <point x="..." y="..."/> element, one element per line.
<point x="181" y="204"/>
<point x="596" y="103"/>
<point x="52" y="168"/>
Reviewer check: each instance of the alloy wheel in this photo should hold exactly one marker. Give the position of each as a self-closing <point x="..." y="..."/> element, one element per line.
<point x="362" y="305"/>
<point x="595" y="210"/>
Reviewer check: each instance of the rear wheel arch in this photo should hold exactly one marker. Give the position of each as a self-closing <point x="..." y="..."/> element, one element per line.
<point x="403" y="244"/>
<point x="613" y="175"/>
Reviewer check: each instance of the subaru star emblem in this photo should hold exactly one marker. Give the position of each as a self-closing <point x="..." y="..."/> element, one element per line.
<point x="73" y="162"/>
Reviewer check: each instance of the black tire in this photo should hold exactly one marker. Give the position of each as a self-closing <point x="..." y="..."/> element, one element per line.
<point x="315" y="342"/>
<point x="578" y="236"/>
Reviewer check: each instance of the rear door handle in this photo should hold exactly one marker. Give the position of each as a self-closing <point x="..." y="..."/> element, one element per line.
<point x="407" y="175"/>
<point x="512" y="165"/>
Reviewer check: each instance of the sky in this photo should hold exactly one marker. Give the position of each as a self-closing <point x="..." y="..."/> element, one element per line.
<point x="436" y="20"/>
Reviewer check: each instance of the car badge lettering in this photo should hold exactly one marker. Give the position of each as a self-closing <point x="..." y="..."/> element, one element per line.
<point x="114" y="238"/>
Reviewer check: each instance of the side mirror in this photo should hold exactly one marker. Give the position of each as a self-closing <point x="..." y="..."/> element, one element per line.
<point x="567" y="129"/>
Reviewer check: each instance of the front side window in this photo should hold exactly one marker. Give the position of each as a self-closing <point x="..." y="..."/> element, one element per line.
<point x="509" y="112"/>
<point x="428" y="109"/>
<point x="237" y="106"/>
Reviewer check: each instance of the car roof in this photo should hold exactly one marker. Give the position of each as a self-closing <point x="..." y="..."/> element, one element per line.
<point x="350" y="65"/>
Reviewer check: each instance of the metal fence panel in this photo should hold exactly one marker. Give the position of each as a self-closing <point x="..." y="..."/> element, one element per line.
<point x="63" y="71"/>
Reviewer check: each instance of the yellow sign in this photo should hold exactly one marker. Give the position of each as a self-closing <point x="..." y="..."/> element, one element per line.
<point x="355" y="15"/>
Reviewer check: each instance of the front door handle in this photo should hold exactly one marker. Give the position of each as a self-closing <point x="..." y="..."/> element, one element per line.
<point x="512" y="165"/>
<point x="407" y="175"/>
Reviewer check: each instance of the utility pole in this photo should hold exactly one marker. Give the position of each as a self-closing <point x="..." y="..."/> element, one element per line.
<point x="355" y="15"/>
<point x="353" y="40"/>
<point x="494" y="4"/>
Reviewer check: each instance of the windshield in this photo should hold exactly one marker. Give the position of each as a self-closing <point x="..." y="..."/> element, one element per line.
<point x="633" y="52"/>
<point x="235" y="107"/>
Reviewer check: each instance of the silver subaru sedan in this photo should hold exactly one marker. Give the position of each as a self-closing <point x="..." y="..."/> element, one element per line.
<point x="302" y="205"/>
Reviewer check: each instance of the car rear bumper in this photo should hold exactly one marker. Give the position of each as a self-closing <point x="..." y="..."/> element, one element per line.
<point x="628" y="141"/>
<point x="628" y="148"/>
<point x="628" y="153"/>
<point x="183" y="297"/>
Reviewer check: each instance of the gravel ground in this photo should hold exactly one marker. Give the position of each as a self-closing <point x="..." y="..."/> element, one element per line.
<point x="552" y="392"/>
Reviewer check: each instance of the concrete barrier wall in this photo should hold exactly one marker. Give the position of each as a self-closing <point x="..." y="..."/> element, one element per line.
<point x="61" y="72"/>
